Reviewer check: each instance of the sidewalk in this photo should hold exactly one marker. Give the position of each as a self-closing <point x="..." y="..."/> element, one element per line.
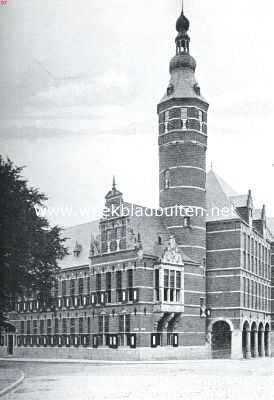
<point x="9" y="379"/>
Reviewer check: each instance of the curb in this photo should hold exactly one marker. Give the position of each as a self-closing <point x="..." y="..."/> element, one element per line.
<point x="12" y="385"/>
<point x="114" y="362"/>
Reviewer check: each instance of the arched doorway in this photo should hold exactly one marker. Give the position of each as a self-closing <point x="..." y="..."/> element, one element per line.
<point x="221" y="340"/>
<point x="261" y="340"/>
<point x="267" y="340"/>
<point x="254" y="340"/>
<point x="246" y="340"/>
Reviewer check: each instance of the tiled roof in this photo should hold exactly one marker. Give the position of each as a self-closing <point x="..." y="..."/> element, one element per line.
<point x="82" y="235"/>
<point x="218" y="194"/>
<point x="257" y="214"/>
<point x="183" y="81"/>
<point x="239" y="201"/>
<point x="149" y="227"/>
<point x="270" y="224"/>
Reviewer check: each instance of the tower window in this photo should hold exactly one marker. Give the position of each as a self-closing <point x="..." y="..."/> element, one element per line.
<point x="184" y="113"/>
<point x="201" y="117"/>
<point x="186" y="222"/>
<point x="167" y="180"/>
<point x="184" y="118"/>
<point x="166" y="116"/>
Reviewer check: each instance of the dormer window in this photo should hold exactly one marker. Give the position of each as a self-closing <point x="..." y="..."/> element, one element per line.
<point x="197" y="89"/>
<point x="77" y="250"/>
<point x="170" y="89"/>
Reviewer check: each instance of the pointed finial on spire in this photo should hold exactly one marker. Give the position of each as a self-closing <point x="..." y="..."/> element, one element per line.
<point x="182" y="24"/>
<point x="113" y="183"/>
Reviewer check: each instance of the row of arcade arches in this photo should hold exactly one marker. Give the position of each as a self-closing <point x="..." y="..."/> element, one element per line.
<point x="255" y="339"/>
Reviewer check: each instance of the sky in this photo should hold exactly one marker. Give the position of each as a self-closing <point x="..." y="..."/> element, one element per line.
<point x="79" y="87"/>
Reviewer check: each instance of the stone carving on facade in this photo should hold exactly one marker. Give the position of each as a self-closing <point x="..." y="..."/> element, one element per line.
<point x="171" y="254"/>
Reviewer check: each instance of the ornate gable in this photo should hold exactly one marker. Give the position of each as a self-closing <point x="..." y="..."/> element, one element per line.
<point x="171" y="253"/>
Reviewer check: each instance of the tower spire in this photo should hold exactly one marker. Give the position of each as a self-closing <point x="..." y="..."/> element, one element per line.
<point x="113" y="183"/>
<point x="182" y="40"/>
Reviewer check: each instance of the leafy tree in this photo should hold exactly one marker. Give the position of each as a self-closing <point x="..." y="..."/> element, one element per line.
<point x="29" y="247"/>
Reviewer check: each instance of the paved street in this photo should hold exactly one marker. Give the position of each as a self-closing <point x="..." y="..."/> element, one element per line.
<point x="189" y="380"/>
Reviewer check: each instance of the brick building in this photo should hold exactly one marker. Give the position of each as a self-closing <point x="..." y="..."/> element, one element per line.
<point x="161" y="283"/>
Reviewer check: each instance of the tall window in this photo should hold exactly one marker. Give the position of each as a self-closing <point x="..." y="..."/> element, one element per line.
<point x="244" y="292"/>
<point x="100" y="323"/>
<point x="172" y="286"/>
<point x="56" y="325"/>
<point x="64" y="288"/>
<point x="42" y="327"/>
<point x="22" y="327"/>
<point x="157" y="285"/>
<point x="72" y="325"/>
<point x="81" y="285"/>
<point x="49" y="326"/>
<point x="35" y="327"/>
<point x="88" y="284"/>
<point x="130" y="278"/>
<point x="121" y="323"/>
<point x="130" y="284"/>
<point x="98" y="282"/>
<point x="178" y="286"/>
<point x="72" y="287"/>
<point x="119" y="291"/>
<point x="119" y="279"/>
<point x="64" y="325"/>
<point x="108" y="287"/>
<point x="166" y="285"/>
<point x="81" y="324"/>
<point x="127" y="322"/>
<point x="106" y="323"/>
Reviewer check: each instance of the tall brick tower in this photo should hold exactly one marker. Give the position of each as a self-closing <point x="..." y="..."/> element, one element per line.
<point x="182" y="149"/>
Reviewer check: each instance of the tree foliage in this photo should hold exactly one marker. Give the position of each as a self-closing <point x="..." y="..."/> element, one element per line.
<point x="29" y="247"/>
